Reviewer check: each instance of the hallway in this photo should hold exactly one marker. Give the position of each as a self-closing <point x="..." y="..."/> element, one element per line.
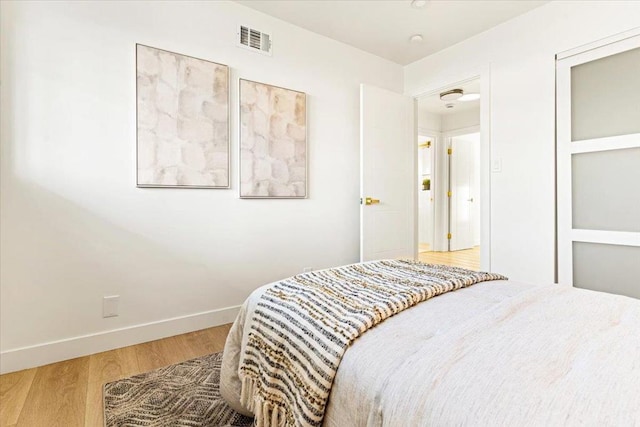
<point x="467" y="258"/>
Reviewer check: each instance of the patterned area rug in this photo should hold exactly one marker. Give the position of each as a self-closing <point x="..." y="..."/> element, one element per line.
<point x="185" y="394"/>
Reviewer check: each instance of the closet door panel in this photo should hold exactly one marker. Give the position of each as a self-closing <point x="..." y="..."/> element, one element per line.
<point x="606" y="190"/>
<point x="605" y="96"/>
<point x="607" y="268"/>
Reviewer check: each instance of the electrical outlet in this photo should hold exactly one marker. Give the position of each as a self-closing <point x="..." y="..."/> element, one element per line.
<point x="307" y="269"/>
<point x="110" y="305"/>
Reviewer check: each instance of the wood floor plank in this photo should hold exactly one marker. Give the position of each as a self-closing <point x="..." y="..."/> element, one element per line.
<point x="218" y="337"/>
<point x="159" y="353"/>
<point x="58" y="395"/>
<point x="198" y="343"/>
<point x="113" y="365"/>
<point x="94" y="412"/>
<point x="14" y="388"/>
<point x="467" y="258"/>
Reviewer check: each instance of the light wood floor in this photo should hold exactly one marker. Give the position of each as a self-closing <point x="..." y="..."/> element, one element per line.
<point x="69" y="393"/>
<point x="467" y="258"/>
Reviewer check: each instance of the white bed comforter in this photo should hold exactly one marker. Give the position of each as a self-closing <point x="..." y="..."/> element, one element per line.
<point x="496" y="353"/>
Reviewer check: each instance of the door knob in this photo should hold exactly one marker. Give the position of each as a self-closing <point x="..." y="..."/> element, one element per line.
<point x="370" y="201"/>
<point x="470" y="200"/>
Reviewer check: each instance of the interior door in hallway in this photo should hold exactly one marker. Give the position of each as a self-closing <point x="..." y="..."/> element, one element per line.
<point x="464" y="220"/>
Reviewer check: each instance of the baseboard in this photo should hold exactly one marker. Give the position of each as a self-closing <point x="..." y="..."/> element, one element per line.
<point x="69" y="348"/>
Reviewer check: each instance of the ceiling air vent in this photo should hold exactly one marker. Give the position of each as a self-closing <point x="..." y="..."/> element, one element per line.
<point x="254" y="40"/>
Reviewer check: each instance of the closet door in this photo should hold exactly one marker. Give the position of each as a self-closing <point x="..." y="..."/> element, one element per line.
<point x="598" y="168"/>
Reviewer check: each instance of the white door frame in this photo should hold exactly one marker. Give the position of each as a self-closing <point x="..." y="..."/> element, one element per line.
<point x="484" y="74"/>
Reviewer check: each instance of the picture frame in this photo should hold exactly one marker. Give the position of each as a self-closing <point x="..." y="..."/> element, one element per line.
<point x="182" y="121"/>
<point x="273" y="159"/>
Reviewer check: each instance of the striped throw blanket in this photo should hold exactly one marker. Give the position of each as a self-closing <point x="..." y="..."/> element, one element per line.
<point x="302" y="326"/>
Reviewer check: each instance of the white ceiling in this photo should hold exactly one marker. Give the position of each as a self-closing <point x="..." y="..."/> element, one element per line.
<point x="433" y="103"/>
<point x="383" y="27"/>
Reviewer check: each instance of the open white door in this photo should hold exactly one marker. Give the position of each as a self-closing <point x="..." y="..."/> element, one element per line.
<point x="464" y="191"/>
<point x="388" y="174"/>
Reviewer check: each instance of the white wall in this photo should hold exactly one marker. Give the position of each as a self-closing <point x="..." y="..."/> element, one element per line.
<point x="433" y="122"/>
<point x="75" y="227"/>
<point x="460" y="120"/>
<point x="429" y="121"/>
<point x="521" y="57"/>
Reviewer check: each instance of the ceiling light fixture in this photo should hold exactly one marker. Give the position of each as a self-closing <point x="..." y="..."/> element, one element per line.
<point x="451" y="95"/>
<point x="418" y="4"/>
<point x="469" y="97"/>
<point x="416" y="38"/>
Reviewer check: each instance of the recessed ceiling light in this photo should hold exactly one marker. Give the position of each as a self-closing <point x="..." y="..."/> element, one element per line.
<point x="451" y="95"/>
<point x="469" y="97"/>
<point x="418" y="4"/>
<point x="416" y="38"/>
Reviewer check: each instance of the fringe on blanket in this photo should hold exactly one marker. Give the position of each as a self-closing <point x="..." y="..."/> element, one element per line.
<point x="265" y="413"/>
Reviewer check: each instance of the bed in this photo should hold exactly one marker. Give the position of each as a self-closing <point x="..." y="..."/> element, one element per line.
<point x="499" y="352"/>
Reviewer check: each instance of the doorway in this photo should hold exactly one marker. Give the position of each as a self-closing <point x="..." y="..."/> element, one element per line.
<point x="389" y="177"/>
<point x="449" y="201"/>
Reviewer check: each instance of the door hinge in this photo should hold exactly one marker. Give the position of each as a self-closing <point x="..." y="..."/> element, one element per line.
<point x="449" y="151"/>
<point x="449" y="236"/>
<point x="448" y="193"/>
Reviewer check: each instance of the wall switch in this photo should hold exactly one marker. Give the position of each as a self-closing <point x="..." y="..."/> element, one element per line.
<point x="110" y="306"/>
<point x="307" y="269"/>
<point x="496" y="165"/>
